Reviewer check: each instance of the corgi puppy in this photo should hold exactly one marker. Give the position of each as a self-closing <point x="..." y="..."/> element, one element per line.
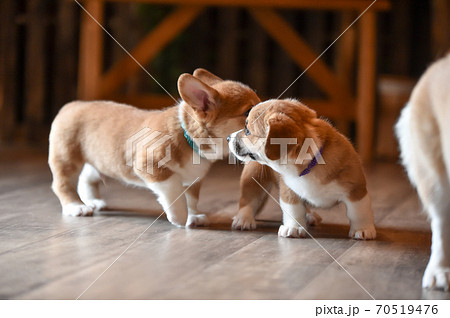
<point x="423" y="132"/>
<point x="152" y="149"/>
<point x="317" y="166"/>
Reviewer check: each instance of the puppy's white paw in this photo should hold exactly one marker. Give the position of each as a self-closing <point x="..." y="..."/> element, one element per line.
<point x="197" y="220"/>
<point x="436" y="277"/>
<point x="177" y="219"/>
<point x="76" y="209"/>
<point x="368" y="233"/>
<point x="291" y="231"/>
<point x="243" y="222"/>
<point x="312" y="218"/>
<point x="96" y="204"/>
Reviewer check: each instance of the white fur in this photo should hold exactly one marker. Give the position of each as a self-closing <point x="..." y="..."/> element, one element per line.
<point x="170" y="196"/>
<point x="77" y="209"/>
<point x="294" y="220"/>
<point x="402" y="130"/>
<point x="88" y="191"/>
<point x="361" y="218"/>
<point x="244" y="220"/>
<point x="424" y="139"/>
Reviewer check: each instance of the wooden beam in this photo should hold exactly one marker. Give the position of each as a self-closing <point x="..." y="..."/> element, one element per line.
<point x="91" y="50"/>
<point x="294" y="4"/>
<point x="365" y="110"/>
<point x="302" y="54"/>
<point x="152" y="44"/>
<point x="158" y="101"/>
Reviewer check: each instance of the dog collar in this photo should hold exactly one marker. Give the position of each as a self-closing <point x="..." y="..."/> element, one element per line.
<point x="311" y="164"/>
<point x="189" y="139"/>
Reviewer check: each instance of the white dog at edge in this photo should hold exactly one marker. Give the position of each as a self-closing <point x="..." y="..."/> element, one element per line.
<point x="423" y="131"/>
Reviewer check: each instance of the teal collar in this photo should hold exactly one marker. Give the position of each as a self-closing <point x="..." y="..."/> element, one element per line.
<point x="189" y="139"/>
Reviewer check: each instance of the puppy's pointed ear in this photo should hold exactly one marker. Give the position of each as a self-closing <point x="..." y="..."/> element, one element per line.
<point x="281" y="129"/>
<point x="201" y="97"/>
<point x="207" y="77"/>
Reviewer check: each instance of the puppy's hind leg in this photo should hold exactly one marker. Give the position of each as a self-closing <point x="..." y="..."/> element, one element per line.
<point x="88" y="187"/>
<point x="65" y="177"/>
<point x="434" y="195"/>
<point x="360" y="215"/>
<point x="437" y="273"/>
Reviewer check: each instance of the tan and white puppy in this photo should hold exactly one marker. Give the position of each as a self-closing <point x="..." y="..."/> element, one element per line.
<point x="279" y="133"/>
<point x="423" y="131"/>
<point x="91" y="139"/>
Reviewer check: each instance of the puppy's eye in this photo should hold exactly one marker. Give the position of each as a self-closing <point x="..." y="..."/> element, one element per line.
<point x="247" y="112"/>
<point x="246" y="131"/>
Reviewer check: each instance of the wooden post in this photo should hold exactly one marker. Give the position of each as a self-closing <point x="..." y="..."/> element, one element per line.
<point x="345" y="61"/>
<point x="65" y="69"/>
<point x="440" y="27"/>
<point x="35" y="71"/>
<point x="228" y="50"/>
<point x="256" y="73"/>
<point x="91" y="50"/>
<point x="8" y="70"/>
<point x="366" y="86"/>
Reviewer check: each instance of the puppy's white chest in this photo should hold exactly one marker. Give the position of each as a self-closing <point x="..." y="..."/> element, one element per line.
<point x="312" y="190"/>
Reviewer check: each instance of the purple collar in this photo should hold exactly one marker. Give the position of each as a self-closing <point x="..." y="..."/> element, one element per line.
<point x="311" y="164"/>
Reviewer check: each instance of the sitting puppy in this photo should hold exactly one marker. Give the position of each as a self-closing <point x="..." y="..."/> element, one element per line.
<point x="152" y="149"/>
<point x="278" y="133"/>
<point x="424" y="135"/>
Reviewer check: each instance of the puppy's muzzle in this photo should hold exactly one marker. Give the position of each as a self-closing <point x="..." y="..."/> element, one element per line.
<point x="237" y="148"/>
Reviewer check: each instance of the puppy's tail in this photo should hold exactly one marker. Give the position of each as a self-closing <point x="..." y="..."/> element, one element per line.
<point x="403" y="133"/>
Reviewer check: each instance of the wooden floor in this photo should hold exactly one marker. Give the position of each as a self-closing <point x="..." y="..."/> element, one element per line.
<point x="45" y="256"/>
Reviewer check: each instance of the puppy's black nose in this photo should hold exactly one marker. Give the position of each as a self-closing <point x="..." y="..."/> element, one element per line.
<point x="228" y="138"/>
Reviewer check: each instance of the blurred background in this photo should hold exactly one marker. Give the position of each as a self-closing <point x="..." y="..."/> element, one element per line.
<point x="40" y="56"/>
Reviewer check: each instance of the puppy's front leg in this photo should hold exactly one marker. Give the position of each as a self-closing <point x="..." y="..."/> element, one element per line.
<point x="194" y="217"/>
<point x="361" y="219"/>
<point x="170" y="196"/>
<point x="294" y="213"/>
<point x="253" y="196"/>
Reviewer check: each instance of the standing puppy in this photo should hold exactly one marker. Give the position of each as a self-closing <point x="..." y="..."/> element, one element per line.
<point x="90" y="139"/>
<point x="279" y="133"/>
<point x="423" y="131"/>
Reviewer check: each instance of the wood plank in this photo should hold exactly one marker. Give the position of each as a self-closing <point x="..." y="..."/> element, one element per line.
<point x="365" y="107"/>
<point x="303" y="4"/>
<point x="302" y="54"/>
<point x="149" y="47"/>
<point x="91" y="50"/>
